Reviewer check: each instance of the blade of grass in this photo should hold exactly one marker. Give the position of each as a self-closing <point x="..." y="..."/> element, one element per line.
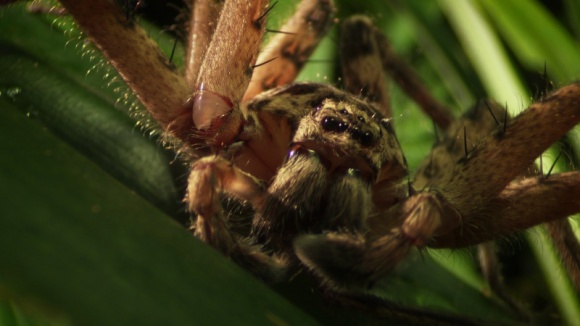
<point x="532" y="36"/>
<point x="485" y="53"/>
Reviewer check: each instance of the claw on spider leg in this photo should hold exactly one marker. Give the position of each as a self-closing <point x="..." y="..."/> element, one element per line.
<point x="208" y="119"/>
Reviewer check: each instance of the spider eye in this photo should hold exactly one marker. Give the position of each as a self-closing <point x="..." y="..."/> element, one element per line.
<point x="329" y="124"/>
<point x="333" y="124"/>
<point x="365" y="138"/>
<point x="342" y="126"/>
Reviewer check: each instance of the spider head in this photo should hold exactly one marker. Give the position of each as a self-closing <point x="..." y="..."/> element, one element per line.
<point x="346" y="132"/>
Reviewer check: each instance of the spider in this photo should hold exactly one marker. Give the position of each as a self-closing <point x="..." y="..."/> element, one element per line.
<point x="321" y="168"/>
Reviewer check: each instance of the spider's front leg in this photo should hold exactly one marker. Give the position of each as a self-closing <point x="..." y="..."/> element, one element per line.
<point x="210" y="115"/>
<point x="211" y="179"/>
<point x="232" y="71"/>
<point x="161" y="90"/>
<point x="347" y="260"/>
<point x="225" y="72"/>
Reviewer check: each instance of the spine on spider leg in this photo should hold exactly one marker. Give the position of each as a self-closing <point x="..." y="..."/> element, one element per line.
<point x="136" y="57"/>
<point x="492" y="165"/>
<point x="225" y="71"/>
<point x="476" y="125"/>
<point x="501" y="205"/>
<point x="286" y="53"/>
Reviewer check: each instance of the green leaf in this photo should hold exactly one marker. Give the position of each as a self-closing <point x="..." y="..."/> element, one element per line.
<point x="84" y="247"/>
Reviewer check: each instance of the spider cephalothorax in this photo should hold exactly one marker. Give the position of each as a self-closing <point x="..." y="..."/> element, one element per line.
<point x="320" y="168"/>
<point x="331" y="136"/>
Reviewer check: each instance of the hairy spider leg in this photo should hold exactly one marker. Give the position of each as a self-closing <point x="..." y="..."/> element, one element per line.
<point x="410" y="83"/>
<point x="565" y="240"/>
<point x="491" y="165"/>
<point x="472" y="219"/>
<point x="226" y="70"/>
<point x="210" y="178"/>
<point x="351" y="260"/>
<point x="285" y="54"/>
<point x="362" y="70"/>
<point x="162" y="90"/>
<point x="526" y="201"/>
<point x="202" y="24"/>
<point x="469" y="129"/>
<point x="435" y="218"/>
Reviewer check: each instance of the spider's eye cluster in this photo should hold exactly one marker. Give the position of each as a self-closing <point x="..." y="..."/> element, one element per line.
<point x="356" y="126"/>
